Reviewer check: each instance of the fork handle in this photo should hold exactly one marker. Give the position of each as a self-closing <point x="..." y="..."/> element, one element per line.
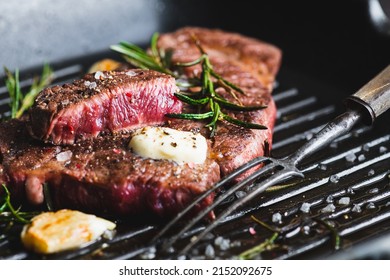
<point x="367" y="103"/>
<point x="373" y="98"/>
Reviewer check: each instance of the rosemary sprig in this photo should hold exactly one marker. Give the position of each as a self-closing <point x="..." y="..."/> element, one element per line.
<point x="9" y="214"/>
<point x="21" y="102"/>
<point x="209" y="103"/>
<point x="13" y="87"/>
<point x="267" y="244"/>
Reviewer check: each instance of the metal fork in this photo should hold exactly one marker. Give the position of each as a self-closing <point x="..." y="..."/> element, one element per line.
<point x="366" y="104"/>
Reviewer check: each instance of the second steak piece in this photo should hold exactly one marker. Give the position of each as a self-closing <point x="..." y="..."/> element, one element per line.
<point x="103" y="102"/>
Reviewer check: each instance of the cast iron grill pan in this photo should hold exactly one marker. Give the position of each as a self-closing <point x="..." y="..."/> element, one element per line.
<point x="341" y="209"/>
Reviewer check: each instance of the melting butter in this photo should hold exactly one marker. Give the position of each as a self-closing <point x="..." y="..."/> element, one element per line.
<point x="171" y="144"/>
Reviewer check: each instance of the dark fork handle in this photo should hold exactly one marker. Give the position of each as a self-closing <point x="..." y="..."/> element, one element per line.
<point x="368" y="102"/>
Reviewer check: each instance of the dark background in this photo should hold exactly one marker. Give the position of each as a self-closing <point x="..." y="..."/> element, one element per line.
<point x="334" y="41"/>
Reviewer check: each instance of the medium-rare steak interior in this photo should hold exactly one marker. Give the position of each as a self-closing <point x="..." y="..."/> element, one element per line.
<point x="103" y="102"/>
<point x="97" y="171"/>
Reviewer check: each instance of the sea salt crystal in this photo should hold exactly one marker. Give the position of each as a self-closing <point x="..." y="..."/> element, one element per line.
<point x="322" y="167"/>
<point x="328" y="208"/>
<point x="131" y="73"/>
<point x="371" y="172"/>
<point x="306" y="230"/>
<point x="240" y="194"/>
<point x="350" y="157"/>
<point x="350" y="190"/>
<point x="382" y="149"/>
<point x="222" y="243"/>
<point x="344" y="200"/>
<point x="92" y="85"/>
<point x="99" y="75"/>
<point x="305" y="208"/>
<point x="334" y="179"/>
<point x="277" y="218"/>
<point x="65" y="102"/>
<point x="64" y="156"/>
<point x="329" y="199"/>
<point x="361" y="158"/>
<point x="356" y="208"/>
<point x="366" y="147"/>
<point x="370" y="206"/>
<point x="210" y="252"/>
<point x="374" y="190"/>
<point x="149" y="254"/>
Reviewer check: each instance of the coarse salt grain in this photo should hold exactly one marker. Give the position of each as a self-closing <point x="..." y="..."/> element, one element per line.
<point x="382" y="149"/>
<point x="344" y="200"/>
<point x="329" y="199"/>
<point x="371" y="205"/>
<point x="240" y="194"/>
<point x="99" y="75"/>
<point x="356" y="208"/>
<point x="222" y="243"/>
<point x="277" y="218"/>
<point x="374" y="190"/>
<point x="131" y="73"/>
<point x="64" y="156"/>
<point x="92" y="85"/>
<point x="329" y="208"/>
<point x="350" y="157"/>
<point x="305" y="208"/>
<point x="322" y="167"/>
<point x="210" y="252"/>
<point x="334" y="179"/>
<point x="361" y="158"/>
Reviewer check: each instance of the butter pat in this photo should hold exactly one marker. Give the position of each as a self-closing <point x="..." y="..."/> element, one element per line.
<point x="171" y="144"/>
<point x="53" y="232"/>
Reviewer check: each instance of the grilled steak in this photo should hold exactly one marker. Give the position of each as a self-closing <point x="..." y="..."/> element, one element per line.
<point x="101" y="174"/>
<point x="103" y="102"/>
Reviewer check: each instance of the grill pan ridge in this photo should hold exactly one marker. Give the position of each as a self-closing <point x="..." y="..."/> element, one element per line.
<point x="345" y="192"/>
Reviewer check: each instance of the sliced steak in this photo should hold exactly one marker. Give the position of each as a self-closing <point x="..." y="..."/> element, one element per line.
<point x="102" y="175"/>
<point x="103" y="102"/>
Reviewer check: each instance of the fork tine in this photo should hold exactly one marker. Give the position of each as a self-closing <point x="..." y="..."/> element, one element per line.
<point x="167" y="244"/>
<point x="225" y="180"/>
<point x="274" y="179"/>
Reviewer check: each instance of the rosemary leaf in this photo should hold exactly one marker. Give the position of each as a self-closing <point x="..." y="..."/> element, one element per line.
<point x="201" y="116"/>
<point x="257" y="250"/>
<point x="191" y="101"/>
<point x="153" y="46"/>
<point x="18" y="216"/>
<point x="13" y="87"/>
<point x="38" y="85"/>
<point x="241" y="123"/>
